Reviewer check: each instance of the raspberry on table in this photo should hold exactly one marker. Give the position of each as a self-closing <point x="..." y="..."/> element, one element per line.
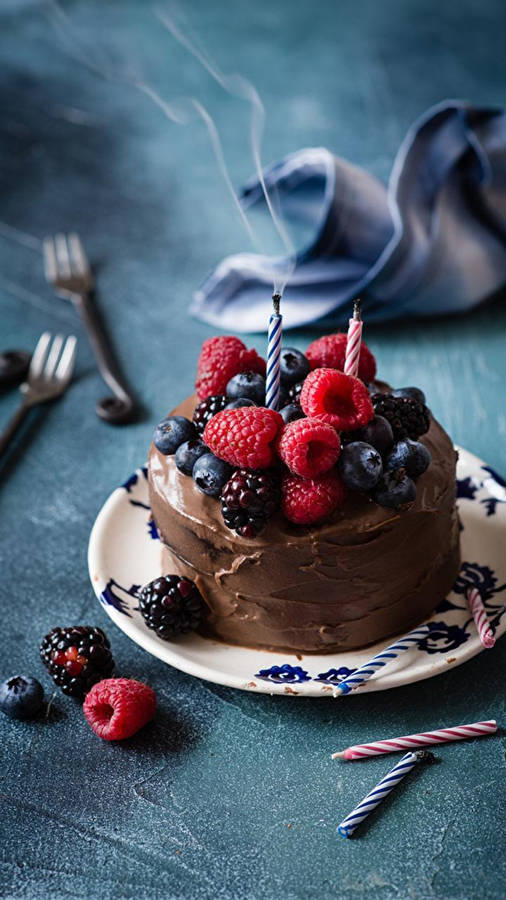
<point x="220" y="359"/>
<point x="329" y="352"/>
<point x="244" y="437"/>
<point x="338" y="399"/>
<point x="249" y="499"/>
<point x="408" y="417"/>
<point x="118" y="707"/>
<point x="171" y="605"/>
<point x="308" y="500"/>
<point x="76" y="658"/>
<point x="206" y="409"/>
<point x="309" y="447"/>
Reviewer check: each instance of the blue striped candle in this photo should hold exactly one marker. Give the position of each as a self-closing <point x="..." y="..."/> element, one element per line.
<point x="385" y="786"/>
<point x="272" y="384"/>
<point x="377" y="662"/>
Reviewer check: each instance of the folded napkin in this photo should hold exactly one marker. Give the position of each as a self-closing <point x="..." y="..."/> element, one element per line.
<point x="432" y="242"/>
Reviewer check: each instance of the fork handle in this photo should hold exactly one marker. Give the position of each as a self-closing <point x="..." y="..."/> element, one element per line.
<point x="13" y="427"/>
<point x="121" y="407"/>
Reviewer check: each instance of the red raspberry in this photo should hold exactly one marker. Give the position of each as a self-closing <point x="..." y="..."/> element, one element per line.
<point x="117" y="707"/>
<point x="307" y="500"/>
<point x="244" y="437"/>
<point x="309" y="447"/>
<point x="220" y="359"/>
<point x="329" y="352"/>
<point x="338" y="399"/>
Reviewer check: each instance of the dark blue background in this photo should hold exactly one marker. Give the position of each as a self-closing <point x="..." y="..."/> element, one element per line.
<point x="199" y="804"/>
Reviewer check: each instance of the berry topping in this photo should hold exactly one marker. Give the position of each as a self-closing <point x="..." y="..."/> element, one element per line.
<point x="241" y="401"/>
<point x="360" y="466"/>
<point x="245" y="437"/>
<point x="21" y="697"/>
<point x="206" y="409"/>
<point x="329" y="352"/>
<point x="171" y="605"/>
<point x="409" y="455"/>
<point x="188" y="454"/>
<point x="220" y="359"/>
<point x="76" y="658"/>
<point x="248" y="499"/>
<point x="336" y="398"/>
<point x="378" y="432"/>
<point x="293" y="395"/>
<point x="408" y="417"/>
<point x="309" y="447"/>
<point x="413" y="392"/>
<point x="308" y="500"/>
<point x="247" y="384"/>
<point x="293" y="366"/>
<point x="118" y="707"/>
<point x="210" y="474"/>
<point x="291" y="413"/>
<point x="172" y="432"/>
<point x="394" y="490"/>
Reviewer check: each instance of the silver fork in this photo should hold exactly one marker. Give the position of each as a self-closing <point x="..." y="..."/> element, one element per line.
<point x="69" y="273"/>
<point x="49" y="376"/>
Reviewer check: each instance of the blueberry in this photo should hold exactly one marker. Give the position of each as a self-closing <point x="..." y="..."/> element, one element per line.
<point x="378" y="432"/>
<point x="413" y="392"/>
<point x="248" y="385"/>
<point x="291" y="412"/>
<point x="210" y="474"/>
<point x="394" y="489"/>
<point x="360" y="466"/>
<point x="241" y="401"/>
<point x="293" y="366"/>
<point x="409" y="455"/>
<point x="172" y="432"/>
<point x="188" y="453"/>
<point x="21" y="697"/>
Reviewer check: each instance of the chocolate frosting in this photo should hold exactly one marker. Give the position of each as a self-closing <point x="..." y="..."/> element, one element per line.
<point x="366" y="573"/>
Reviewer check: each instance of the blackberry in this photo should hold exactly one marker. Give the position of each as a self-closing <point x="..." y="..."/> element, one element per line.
<point x="407" y="416"/>
<point x="171" y="605"/>
<point x="248" y="499"/>
<point x="293" y="395"/>
<point x="77" y="658"/>
<point x="208" y="408"/>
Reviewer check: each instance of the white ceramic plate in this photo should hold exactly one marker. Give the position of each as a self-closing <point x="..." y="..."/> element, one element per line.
<point x="124" y="554"/>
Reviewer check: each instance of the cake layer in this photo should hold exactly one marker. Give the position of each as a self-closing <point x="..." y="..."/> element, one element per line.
<point x="367" y="573"/>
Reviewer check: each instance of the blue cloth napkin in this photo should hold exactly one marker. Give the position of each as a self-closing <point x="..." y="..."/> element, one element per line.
<point x="432" y="242"/>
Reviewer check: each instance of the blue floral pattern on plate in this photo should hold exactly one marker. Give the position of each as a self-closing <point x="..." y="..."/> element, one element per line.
<point x="285" y="674"/>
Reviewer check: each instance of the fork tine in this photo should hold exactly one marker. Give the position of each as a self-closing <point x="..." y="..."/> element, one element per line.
<point x="50" y="266"/>
<point x="52" y="359"/>
<point x="67" y="361"/>
<point x="77" y="255"/>
<point x="39" y="355"/>
<point x="62" y="255"/>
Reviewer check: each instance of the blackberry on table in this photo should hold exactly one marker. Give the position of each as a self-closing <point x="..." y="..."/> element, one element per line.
<point x="249" y="499"/>
<point x="77" y="658"/>
<point x="208" y="408"/>
<point x="407" y="416"/>
<point x="171" y="605"/>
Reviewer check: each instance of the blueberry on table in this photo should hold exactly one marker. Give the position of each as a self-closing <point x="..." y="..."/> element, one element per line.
<point x="291" y="413"/>
<point x="394" y="490"/>
<point x="248" y="385"/>
<point x="188" y="453"/>
<point x="360" y="466"/>
<point x="378" y="432"/>
<point x="413" y="392"/>
<point x="238" y="404"/>
<point x="172" y="432"/>
<point x="210" y="474"/>
<point x="293" y="366"/>
<point x="410" y="455"/>
<point x="21" y="697"/>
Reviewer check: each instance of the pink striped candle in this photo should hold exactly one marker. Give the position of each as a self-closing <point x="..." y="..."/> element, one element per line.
<point x="442" y="736"/>
<point x="353" y="342"/>
<point x="480" y="617"/>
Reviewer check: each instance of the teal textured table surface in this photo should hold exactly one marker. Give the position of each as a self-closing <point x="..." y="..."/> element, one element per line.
<point x="225" y="794"/>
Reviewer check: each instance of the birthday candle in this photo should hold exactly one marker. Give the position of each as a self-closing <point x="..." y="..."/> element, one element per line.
<point x="480" y="617"/>
<point x="353" y="342"/>
<point x="425" y="738"/>
<point x="273" y="355"/>
<point x="382" y="789"/>
<point x="381" y="659"/>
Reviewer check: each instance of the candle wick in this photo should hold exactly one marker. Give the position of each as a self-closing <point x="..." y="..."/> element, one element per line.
<point x="357" y="310"/>
<point x="276" y="300"/>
